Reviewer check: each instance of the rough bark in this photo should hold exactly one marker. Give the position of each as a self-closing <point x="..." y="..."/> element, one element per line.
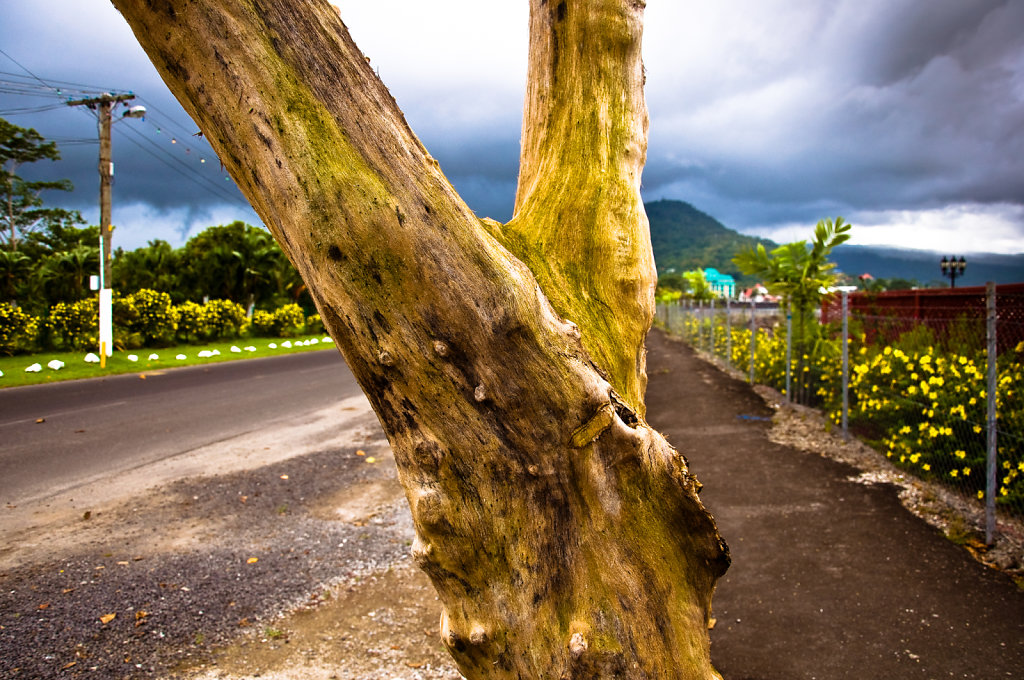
<point x="564" y="536"/>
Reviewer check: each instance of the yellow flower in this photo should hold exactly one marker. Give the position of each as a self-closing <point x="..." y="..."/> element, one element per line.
<point x="914" y="458"/>
<point x="926" y="467"/>
<point x="953" y="473"/>
<point x="967" y="472"/>
<point x="981" y="494"/>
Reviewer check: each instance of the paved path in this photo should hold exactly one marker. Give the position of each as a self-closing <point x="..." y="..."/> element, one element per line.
<point x="830" y="579"/>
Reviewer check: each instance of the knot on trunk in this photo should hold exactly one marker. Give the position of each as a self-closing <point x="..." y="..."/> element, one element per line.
<point x="577" y="645"/>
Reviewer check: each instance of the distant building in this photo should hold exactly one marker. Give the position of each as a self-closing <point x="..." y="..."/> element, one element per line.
<point x="757" y="293"/>
<point x="721" y="284"/>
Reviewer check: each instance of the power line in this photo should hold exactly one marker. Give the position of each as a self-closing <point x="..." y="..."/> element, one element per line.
<point x="35" y="86"/>
<point x="181" y="168"/>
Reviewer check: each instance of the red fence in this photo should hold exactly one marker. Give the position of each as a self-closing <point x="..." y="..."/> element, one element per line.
<point x="952" y="315"/>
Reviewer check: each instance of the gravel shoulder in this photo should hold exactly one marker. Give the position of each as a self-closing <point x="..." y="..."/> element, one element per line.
<point x="225" y="569"/>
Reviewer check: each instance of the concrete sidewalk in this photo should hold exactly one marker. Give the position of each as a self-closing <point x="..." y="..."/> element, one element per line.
<point x="830" y="578"/>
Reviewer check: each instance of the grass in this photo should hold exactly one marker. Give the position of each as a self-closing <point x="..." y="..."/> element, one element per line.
<point x="75" y="367"/>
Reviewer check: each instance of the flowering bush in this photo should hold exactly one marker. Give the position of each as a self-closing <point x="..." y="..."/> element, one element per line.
<point x="76" y="324"/>
<point x="17" y="329"/>
<point x="289" y="320"/>
<point x="223" y="318"/>
<point x="930" y="412"/>
<point x="191" y="320"/>
<point x="923" y="407"/>
<point x="156" y="319"/>
<point x="143" y="319"/>
<point x="263" y="322"/>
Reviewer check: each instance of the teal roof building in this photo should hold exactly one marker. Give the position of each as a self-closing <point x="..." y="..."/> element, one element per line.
<point x="723" y="285"/>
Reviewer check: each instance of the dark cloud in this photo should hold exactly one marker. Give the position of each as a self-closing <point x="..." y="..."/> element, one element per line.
<point x="763" y="112"/>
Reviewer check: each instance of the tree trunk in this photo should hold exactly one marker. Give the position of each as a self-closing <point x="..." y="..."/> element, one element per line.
<point x="564" y="536"/>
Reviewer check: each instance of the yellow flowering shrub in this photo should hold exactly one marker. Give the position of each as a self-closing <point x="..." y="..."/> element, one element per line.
<point x="18" y="330"/>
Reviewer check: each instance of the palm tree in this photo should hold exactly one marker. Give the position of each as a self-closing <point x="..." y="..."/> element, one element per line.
<point x="15" y="268"/>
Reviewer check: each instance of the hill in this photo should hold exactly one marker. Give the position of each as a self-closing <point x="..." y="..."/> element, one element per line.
<point x="685" y="238"/>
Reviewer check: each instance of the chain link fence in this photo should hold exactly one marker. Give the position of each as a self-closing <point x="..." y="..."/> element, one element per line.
<point x="933" y="380"/>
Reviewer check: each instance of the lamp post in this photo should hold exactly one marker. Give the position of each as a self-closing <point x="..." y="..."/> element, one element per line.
<point x="953" y="268"/>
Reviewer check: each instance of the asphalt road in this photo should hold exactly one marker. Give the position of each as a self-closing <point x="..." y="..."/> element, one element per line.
<point x="104" y="426"/>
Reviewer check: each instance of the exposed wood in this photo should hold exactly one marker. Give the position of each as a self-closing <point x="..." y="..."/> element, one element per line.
<point x="564" y="536"/>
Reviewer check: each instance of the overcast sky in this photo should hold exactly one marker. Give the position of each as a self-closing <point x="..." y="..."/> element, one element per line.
<point x="906" y="117"/>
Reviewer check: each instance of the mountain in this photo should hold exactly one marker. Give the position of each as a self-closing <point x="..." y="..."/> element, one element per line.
<point x="685" y="238"/>
<point x="923" y="266"/>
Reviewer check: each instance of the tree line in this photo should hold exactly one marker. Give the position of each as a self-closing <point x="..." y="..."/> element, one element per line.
<point x="50" y="253"/>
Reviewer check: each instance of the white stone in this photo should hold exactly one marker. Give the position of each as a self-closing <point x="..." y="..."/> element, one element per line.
<point x="250" y="348"/>
<point x="132" y="357"/>
<point x="272" y="345"/>
<point x="286" y="343"/>
<point x="314" y="341"/>
<point x="181" y="357"/>
<point x="204" y="354"/>
<point x="56" y="364"/>
<point x="236" y="348"/>
<point x="34" y="368"/>
<point x="91" y="358"/>
<point x="154" y="357"/>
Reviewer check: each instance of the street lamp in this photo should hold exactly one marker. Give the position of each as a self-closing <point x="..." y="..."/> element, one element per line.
<point x="953" y="268"/>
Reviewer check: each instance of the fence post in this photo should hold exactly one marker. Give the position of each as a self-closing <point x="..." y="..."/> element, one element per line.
<point x="846" y="364"/>
<point x="789" y="352"/>
<point x="728" y="332"/>
<point x="990" y="485"/>
<point x="753" y="338"/>
<point x="700" y="324"/>
<point x="711" y="349"/>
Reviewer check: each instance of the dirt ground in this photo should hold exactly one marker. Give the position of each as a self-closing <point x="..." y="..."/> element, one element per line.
<point x="293" y="563"/>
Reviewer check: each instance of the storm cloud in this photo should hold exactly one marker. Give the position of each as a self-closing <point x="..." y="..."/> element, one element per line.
<point x="903" y="116"/>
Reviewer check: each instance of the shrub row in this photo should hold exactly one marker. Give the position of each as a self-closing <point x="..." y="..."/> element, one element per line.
<point x="146" y="318"/>
<point x="921" y="405"/>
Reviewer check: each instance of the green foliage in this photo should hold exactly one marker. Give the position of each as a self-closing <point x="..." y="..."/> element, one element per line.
<point x="74" y="324"/>
<point x="698" y="287"/>
<point x="23" y="209"/>
<point x="17" y="329"/>
<point x="223" y="318"/>
<point x="154" y="266"/>
<point x="800" y="273"/>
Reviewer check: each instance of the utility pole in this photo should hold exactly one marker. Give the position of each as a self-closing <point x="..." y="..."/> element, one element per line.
<point x="104" y="107"/>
